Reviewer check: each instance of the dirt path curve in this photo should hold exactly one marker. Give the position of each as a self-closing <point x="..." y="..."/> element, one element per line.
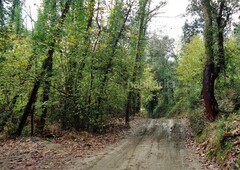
<point x="158" y="144"/>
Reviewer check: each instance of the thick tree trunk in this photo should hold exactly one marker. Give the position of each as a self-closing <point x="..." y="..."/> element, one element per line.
<point x="209" y="76"/>
<point x="211" y="106"/>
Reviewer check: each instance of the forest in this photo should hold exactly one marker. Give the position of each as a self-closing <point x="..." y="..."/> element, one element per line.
<point x="89" y="66"/>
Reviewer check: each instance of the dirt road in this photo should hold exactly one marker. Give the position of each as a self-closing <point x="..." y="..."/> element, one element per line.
<point x="158" y="144"/>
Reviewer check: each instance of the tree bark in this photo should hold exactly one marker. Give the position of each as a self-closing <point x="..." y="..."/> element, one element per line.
<point x="211" y="105"/>
<point x="46" y="90"/>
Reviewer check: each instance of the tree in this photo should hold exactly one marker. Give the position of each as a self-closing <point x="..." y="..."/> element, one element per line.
<point x="208" y="75"/>
<point x="51" y="19"/>
<point x="117" y="31"/>
<point x="144" y="16"/>
<point x="191" y="29"/>
<point x="80" y="59"/>
<point x="162" y="59"/>
<point x="189" y="72"/>
<point x="16" y="21"/>
<point x="216" y="18"/>
<point x="47" y="64"/>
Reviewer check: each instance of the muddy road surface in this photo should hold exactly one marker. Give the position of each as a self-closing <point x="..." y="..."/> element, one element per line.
<point x="158" y="144"/>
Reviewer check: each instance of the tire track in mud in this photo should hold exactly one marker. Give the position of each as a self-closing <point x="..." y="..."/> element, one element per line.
<point x="159" y="144"/>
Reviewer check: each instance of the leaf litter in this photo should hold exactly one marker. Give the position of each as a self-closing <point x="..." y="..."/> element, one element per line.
<point x="54" y="153"/>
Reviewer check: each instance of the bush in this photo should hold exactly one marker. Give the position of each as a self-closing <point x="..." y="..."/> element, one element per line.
<point x="196" y="118"/>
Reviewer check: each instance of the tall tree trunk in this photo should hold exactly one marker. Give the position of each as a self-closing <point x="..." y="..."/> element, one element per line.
<point x="91" y="67"/>
<point x="80" y="123"/>
<point x="211" y="106"/>
<point x="46" y="63"/>
<point x="137" y="71"/>
<point x="108" y="68"/>
<point x="46" y="90"/>
<point x="47" y="82"/>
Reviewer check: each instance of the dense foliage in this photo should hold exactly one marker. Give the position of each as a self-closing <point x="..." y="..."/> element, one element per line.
<point x="85" y="61"/>
<point x="78" y="66"/>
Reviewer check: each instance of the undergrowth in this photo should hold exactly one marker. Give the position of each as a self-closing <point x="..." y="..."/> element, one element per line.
<point x="221" y="140"/>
